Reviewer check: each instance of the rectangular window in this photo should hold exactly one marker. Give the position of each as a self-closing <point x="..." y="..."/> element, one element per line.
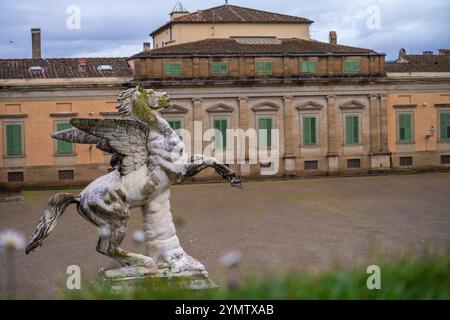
<point x="406" y="161"/>
<point x="15" y="176"/>
<point x="311" y="165"/>
<point x="352" y="129"/>
<point x="353" y="163"/>
<point x="221" y="125"/>
<point x="66" y="175"/>
<point x="351" y="66"/>
<point x="176" y="126"/>
<point x="445" y="159"/>
<point x="444" y="125"/>
<point x="265" y="127"/>
<point x="14" y="140"/>
<point x="172" y="68"/>
<point x="405" y="125"/>
<point x="263" y="66"/>
<point x="63" y="147"/>
<point x="219" y="67"/>
<point x="308" y="66"/>
<point x="309" y="130"/>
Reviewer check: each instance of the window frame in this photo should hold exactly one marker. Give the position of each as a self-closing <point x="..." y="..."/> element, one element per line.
<point x="5" y="139"/>
<point x="56" y="141"/>
<point x="221" y="62"/>
<point x="181" y="120"/>
<point x="173" y="73"/>
<point x="228" y="122"/>
<point x="352" y="114"/>
<point x="264" y="62"/>
<point x="351" y="71"/>
<point x="401" y="113"/>
<point x="258" y="118"/>
<point x="308" y="61"/>
<point x="440" y="138"/>
<point x="302" y="136"/>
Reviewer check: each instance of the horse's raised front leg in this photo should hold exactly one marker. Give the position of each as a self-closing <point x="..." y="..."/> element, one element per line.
<point x="200" y="163"/>
<point x="161" y="242"/>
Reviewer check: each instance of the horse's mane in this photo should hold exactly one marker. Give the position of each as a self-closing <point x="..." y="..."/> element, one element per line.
<point x="125" y="107"/>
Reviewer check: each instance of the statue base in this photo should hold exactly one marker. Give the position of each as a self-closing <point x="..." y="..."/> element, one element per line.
<point x="128" y="277"/>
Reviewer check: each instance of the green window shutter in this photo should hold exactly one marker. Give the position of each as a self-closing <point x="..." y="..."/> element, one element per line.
<point x="355" y="129"/>
<point x="176" y="126"/>
<point x="351" y="66"/>
<point x="260" y="67"/>
<point x="221" y="125"/>
<point x="351" y="129"/>
<point x="265" y="132"/>
<point x="215" y="67"/>
<point x="168" y="68"/>
<point x="405" y="127"/>
<point x="223" y="67"/>
<point x="444" y="125"/>
<point x="308" y="67"/>
<point x="313" y="130"/>
<point x="264" y="66"/>
<point x="172" y="68"/>
<point x="14" y="140"/>
<point x="306" y="131"/>
<point x="219" y="67"/>
<point x="63" y="147"/>
<point x="309" y="131"/>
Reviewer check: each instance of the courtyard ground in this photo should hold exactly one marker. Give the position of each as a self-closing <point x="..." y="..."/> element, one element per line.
<point x="277" y="225"/>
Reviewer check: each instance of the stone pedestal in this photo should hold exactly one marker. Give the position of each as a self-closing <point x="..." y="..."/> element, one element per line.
<point x="127" y="277"/>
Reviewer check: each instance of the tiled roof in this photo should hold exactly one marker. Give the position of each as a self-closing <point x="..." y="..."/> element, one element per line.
<point x="64" y="68"/>
<point x="229" y="46"/>
<point x="231" y="13"/>
<point x="420" y="63"/>
<point x="234" y="14"/>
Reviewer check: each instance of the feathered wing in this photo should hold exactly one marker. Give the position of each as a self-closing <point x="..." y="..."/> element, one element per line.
<point x="74" y="135"/>
<point x="125" y="137"/>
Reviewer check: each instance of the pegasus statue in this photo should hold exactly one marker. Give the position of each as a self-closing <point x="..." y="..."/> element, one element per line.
<point x="147" y="157"/>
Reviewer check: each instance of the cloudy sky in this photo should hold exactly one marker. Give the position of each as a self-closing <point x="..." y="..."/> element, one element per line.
<point x="118" y="28"/>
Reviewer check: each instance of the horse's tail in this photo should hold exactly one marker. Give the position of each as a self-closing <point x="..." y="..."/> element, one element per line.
<point x="54" y="209"/>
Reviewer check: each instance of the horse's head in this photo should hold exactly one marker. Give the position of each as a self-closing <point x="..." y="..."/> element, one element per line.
<point x="145" y="98"/>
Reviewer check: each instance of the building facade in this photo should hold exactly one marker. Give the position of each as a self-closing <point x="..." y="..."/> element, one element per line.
<point x="334" y="109"/>
<point x="419" y="110"/>
<point x="39" y="96"/>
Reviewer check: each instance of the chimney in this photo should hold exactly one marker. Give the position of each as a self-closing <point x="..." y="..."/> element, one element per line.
<point x="428" y="53"/>
<point x="146" y="46"/>
<point x="82" y="64"/>
<point x="36" y="43"/>
<point x="333" y="37"/>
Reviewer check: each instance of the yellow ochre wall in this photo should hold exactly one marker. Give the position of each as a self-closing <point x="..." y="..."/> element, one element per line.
<point x="188" y="32"/>
<point x="39" y="117"/>
<point x="425" y="116"/>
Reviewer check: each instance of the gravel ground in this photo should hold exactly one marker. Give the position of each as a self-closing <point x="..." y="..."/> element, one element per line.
<point x="275" y="224"/>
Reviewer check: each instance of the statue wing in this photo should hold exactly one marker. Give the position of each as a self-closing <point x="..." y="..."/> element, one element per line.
<point x="74" y="135"/>
<point x="125" y="137"/>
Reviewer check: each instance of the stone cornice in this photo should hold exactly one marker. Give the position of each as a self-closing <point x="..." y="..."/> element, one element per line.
<point x="63" y="114"/>
<point x="13" y="116"/>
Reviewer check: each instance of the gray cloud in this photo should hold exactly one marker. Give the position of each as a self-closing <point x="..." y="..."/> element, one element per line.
<point x="118" y="28"/>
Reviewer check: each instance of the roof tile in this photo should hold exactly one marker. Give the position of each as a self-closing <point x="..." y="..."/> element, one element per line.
<point x="63" y="68"/>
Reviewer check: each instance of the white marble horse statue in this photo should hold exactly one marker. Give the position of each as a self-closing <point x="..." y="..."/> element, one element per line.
<point x="147" y="158"/>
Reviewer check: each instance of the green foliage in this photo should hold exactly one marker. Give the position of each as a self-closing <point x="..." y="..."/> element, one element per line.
<point x="419" y="277"/>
